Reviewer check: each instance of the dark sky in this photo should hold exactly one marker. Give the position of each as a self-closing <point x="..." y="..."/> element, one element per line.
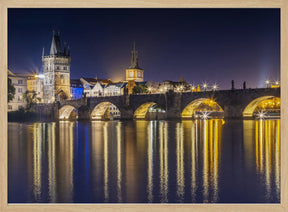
<point x="212" y="45"/>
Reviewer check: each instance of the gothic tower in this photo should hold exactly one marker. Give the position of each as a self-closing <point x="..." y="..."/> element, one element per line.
<point x="56" y="69"/>
<point x="134" y="72"/>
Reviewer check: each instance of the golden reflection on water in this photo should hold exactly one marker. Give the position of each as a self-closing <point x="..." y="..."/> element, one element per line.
<point x="210" y="132"/>
<point x="204" y="137"/>
<point x="163" y="154"/>
<point x="66" y="157"/>
<point x="141" y="156"/>
<point x="119" y="162"/>
<point x="51" y="162"/>
<point x="267" y="153"/>
<point x="37" y="160"/>
<point x="180" y="161"/>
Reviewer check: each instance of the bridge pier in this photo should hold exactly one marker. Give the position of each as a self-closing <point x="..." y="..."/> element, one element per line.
<point x="233" y="112"/>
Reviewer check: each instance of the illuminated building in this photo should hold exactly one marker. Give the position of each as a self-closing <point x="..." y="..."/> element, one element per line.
<point x="93" y="87"/>
<point x="180" y="86"/>
<point x="19" y="81"/>
<point x="56" y="69"/>
<point x="114" y="89"/>
<point x="134" y="72"/>
<point x="35" y="83"/>
<point x="76" y="89"/>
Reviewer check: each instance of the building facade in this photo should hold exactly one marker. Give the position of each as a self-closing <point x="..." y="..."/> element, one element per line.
<point x="115" y="89"/>
<point x="56" y="69"/>
<point x="134" y="72"/>
<point x="19" y="81"/>
<point x="76" y="89"/>
<point x="35" y="83"/>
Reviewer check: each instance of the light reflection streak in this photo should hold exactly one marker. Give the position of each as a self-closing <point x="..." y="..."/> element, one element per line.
<point x="37" y="160"/>
<point x="51" y="162"/>
<point x="106" y="192"/>
<point x="211" y="131"/>
<point x="267" y="151"/>
<point x="180" y="161"/>
<point x="194" y="159"/>
<point x="119" y="163"/>
<point x="150" y="161"/>
<point x="163" y="152"/>
<point x="66" y="160"/>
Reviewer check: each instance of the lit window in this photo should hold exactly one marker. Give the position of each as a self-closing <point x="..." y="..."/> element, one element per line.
<point x="131" y="74"/>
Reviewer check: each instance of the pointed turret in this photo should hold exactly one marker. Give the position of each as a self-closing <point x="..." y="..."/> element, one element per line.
<point x="134" y="58"/>
<point x="55" y="48"/>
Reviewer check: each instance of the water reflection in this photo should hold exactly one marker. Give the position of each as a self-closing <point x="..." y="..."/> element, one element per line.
<point x="267" y="151"/>
<point x="210" y="131"/>
<point x="147" y="161"/>
<point x="65" y="158"/>
<point x="163" y="154"/>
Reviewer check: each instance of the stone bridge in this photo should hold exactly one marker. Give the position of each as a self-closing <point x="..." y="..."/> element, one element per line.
<point x="235" y="103"/>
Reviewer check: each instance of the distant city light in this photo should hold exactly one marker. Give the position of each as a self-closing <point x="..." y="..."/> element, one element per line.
<point x="277" y="82"/>
<point x="205" y="86"/>
<point x="215" y="87"/>
<point x="267" y="83"/>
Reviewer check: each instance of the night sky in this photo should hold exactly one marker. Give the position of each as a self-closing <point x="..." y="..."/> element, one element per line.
<point x="211" y="45"/>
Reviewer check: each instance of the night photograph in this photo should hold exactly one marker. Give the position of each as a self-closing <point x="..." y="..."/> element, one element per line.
<point x="143" y="105"/>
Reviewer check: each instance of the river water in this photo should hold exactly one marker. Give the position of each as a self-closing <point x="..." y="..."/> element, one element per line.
<point x="202" y="161"/>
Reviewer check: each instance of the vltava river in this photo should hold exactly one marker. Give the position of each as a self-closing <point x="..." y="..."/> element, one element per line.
<point x="144" y="162"/>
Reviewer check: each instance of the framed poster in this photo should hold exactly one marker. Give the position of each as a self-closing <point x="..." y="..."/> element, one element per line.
<point x="143" y="106"/>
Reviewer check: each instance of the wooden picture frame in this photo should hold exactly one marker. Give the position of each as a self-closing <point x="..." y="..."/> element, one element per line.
<point x="5" y="4"/>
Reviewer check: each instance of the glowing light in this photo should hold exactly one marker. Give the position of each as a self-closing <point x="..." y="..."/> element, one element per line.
<point x="215" y="87"/>
<point x="261" y="115"/>
<point x="41" y="76"/>
<point x="205" y="115"/>
<point x="205" y="86"/>
<point x="277" y="82"/>
<point x="267" y="83"/>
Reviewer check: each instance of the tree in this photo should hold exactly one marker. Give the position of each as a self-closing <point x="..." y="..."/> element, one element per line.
<point x="11" y="90"/>
<point x="140" y="89"/>
<point x="31" y="97"/>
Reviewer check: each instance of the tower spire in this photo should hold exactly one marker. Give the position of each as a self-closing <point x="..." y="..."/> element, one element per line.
<point x="134" y="57"/>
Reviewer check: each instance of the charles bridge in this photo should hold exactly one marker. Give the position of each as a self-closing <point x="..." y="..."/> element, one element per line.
<point x="238" y="103"/>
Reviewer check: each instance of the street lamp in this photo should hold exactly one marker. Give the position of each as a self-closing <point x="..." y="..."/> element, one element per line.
<point x="149" y="89"/>
<point x="205" y="86"/>
<point x="267" y="83"/>
<point x="215" y="87"/>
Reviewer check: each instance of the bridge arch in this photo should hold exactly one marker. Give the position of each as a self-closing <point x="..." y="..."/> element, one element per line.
<point x="105" y="110"/>
<point x="148" y="107"/>
<point x="205" y="104"/>
<point x="250" y="108"/>
<point x="68" y="112"/>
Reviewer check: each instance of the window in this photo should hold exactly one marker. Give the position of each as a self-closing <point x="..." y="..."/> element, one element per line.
<point x="9" y="107"/>
<point x="58" y="67"/>
<point x="20" y="81"/>
<point x="19" y="90"/>
<point x="64" y="68"/>
<point x="19" y="98"/>
<point x="131" y="74"/>
<point x="139" y="74"/>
